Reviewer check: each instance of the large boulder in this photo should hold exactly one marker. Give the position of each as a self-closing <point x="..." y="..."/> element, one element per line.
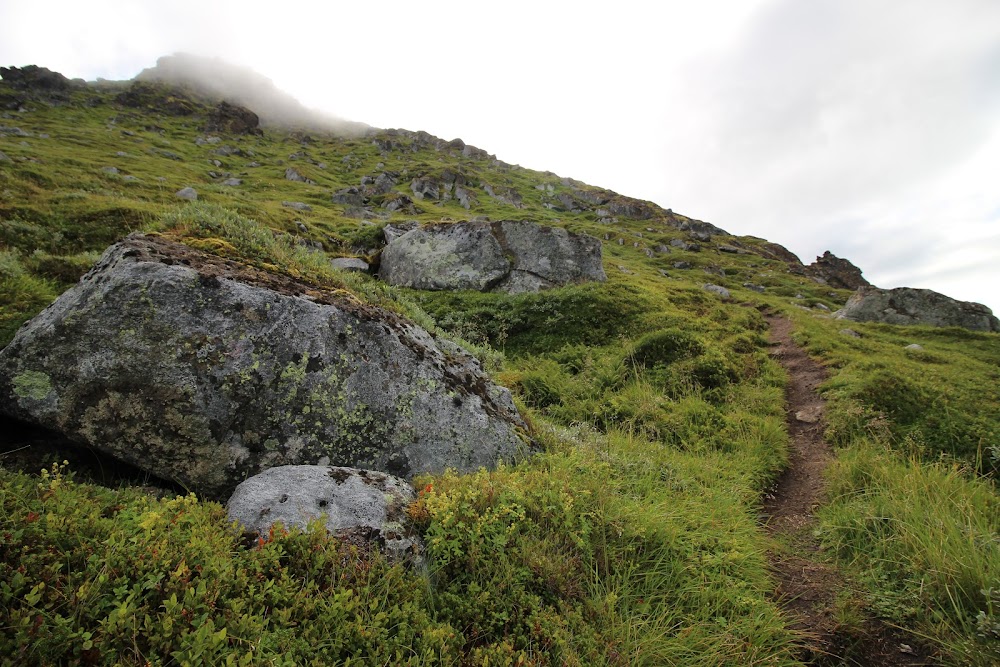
<point x="836" y="272"/>
<point x="908" y="305"/>
<point x="508" y="256"/>
<point x="348" y="500"/>
<point x="204" y="371"/>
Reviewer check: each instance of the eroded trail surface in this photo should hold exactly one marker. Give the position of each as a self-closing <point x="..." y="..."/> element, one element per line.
<point x="809" y="590"/>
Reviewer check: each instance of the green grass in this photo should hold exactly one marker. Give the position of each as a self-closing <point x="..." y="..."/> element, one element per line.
<point x="631" y="539"/>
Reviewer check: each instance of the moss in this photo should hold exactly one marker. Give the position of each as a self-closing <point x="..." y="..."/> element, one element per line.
<point x="32" y="384"/>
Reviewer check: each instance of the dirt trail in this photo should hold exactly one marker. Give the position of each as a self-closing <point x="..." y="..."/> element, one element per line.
<point x="807" y="588"/>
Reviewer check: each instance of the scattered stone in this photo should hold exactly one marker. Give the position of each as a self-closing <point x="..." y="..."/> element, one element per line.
<point x="130" y="179"/>
<point x="232" y="182"/>
<point x="253" y="164"/>
<point x="754" y="288"/>
<point x="914" y="347"/>
<point x="349" y="197"/>
<point x="716" y="289"/>
<point x="188" y="193"/>
<point x="297" y="205"/>
<point x="810" y="415"/>
<point x="345" y="498"/>
<point x="850" y="332"/>
<point x="682" y="265"/>
<point x="203" y="371"/>
<point x="507" y="256"/>
<point x="908" y="305"/>
<point x="732" y="250"/>
<point x="4" y="158"/>
<point x="424" y="188"/>
<point x="109" y="170"/>
<point x="216" y="163"/>
<point x="292" y="174"/>
<point x="350" y="264"/>
<point x="624" y="270"/>
<point x="822" y="306"/>
<point x="664" y="273"/>
<point x="121" y="154"/>
<point x="170" y="155"/>
<point x="301" y="226"/>
<point x="620" y="241"/>
<point x="662" y="249"/>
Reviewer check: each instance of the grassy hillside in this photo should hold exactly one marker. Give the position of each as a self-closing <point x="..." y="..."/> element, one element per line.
<point x="633" y="538"/>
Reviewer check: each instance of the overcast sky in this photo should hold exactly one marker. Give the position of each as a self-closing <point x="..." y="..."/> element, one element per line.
<point x="870" y="128"/>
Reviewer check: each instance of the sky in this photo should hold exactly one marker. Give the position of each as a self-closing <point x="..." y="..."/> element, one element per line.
<point x="870" y="128"/>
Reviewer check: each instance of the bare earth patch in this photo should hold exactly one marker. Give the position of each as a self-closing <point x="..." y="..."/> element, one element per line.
<point x="813" y="593"/>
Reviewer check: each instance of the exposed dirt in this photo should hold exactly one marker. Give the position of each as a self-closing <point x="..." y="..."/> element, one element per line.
<point x="814" y="594"/>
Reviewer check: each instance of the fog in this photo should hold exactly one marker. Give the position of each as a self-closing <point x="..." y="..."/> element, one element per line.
<point x="217" y="78"/>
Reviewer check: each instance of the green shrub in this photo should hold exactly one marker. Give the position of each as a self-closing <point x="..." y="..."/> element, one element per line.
<point x="664" y="347"/>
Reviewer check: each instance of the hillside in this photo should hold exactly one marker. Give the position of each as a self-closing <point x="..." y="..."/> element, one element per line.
<point x="637" y="532"/>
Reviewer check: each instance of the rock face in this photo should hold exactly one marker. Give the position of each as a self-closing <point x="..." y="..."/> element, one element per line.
<point x="908" y="305"/>
<point x="507" y="256"/>
<point x="204" y="371"/>
<point x="235" y="119"/>
<point x="350" y="499"/>
<point x="836" y="272"/>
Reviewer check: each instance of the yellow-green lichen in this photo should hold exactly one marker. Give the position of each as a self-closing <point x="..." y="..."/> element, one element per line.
<point x="32" y="384"/>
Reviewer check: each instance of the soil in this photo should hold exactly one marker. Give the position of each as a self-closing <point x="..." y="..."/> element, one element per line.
<point x="810" y="590"/>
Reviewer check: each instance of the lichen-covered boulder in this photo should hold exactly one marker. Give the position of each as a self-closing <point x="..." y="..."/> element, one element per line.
<point x="909" y="305"/>
<point x="205" y="371"/>
<point x="349" y="500"/>
<point x="507" y="256"/>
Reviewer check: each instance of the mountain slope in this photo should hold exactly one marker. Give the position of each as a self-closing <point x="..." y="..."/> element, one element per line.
<point x="632" y="539"/>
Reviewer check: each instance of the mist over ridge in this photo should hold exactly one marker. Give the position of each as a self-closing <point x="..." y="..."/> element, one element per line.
<point x="215" y="77"/>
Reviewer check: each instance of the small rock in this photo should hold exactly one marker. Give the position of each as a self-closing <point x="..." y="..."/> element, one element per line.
<point x="253" y="164"/>
<point x="850" y="332"/>
<point x="914" y="347"/>
<point x="121" y="154"/>
<point x="187" y="193"/>
<point x="215" y="163"/>
<point x="292" y="174"/>
<point x="346" y="499"/>
<point x="810" y="415"/>
<point x="302" y="226"/>
<point x="620" y="241"/>
<point x="297" y="205"/>
<point x="4" y="158"/>
<point x="822" y="306"/>
<point x="664" y="273"/>
<point x="732" y="250"/>
<point x="350" y="264"/>
<point x="130" y="178"/>
<point x="232" y="182"/>
<point x="109" y="170"/>
<point x="754" y="288"/>
<point x="662" y="249"/>
<point x="716" y="289"/>
<point x="680" y="266"/>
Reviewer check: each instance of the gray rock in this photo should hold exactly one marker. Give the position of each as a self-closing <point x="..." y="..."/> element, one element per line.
<point x="297" y="205"/>
<point x="349" y="197"/>
<point x="4" y="158"/>
<point x="424" y="188"/>
<point x="232" y="182"/>
<point x="662" y="249"/>
<point x="682" y="265"/>
<point x="732" y="250"/>
<point x="199" y="370"/>
<point x="465" y="197"/>
<point x="716" y="289"/>
<point x="822" y="306"/>
<point x="346" y="499"/>
<point x="914" y="347"/>
<point x="394" y="230"/>
<point x="350" y="264"/>
<point x="754" y="288"/>
<point x="130" y="179"/>
<point x="121" y="154"/>
<point x="301" y="226"/>
<point x="384" y="183"/>
<point x="850" y="332"/>
<point x="188" y="193"/>
<point x="505" y="256"/>
<point x="292" y="174"/>
<point x="908" y="305"/>
<point x="109" y="170"/>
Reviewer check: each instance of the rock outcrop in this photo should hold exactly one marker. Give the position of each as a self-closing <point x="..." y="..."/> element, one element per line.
<point x="908" y="305"/>
<point x="507" y="256"/>
<point x="836" y="272"/>
<point x="226" y="117"/>
<point x="350" y="501"/>
<point x="204" y="371"/>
